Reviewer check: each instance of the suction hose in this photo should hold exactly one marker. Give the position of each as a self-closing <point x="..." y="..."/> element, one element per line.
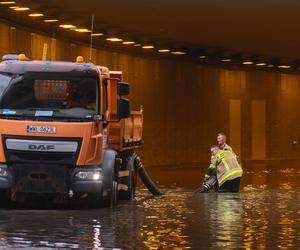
<point x="207" y="185"/>
<point x="139" y="168"/>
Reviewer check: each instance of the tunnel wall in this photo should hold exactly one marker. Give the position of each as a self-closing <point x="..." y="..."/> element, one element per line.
<point x="186" y="104"/>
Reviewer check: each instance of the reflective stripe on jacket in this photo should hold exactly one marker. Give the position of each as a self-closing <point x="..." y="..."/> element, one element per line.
<point x="226" y="165"/>
<point x="226" y="147"/>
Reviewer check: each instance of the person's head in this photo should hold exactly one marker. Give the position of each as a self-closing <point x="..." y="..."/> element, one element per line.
<point x="88" y="96"/>
<point x="214" y="149"/>
<point x="221" y="138"/>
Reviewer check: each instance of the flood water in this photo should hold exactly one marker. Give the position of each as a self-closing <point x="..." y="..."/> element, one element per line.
<point x="264" y="215"/>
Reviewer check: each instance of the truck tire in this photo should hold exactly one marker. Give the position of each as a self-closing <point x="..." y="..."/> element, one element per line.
<point x="114" y="194"/>
<point x="110" y="199"/>
<point x="110" y="182"/>
<point x="127" y="180"/>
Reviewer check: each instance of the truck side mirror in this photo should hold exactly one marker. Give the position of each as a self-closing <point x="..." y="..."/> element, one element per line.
<point x="123" y="88"/>
<point x="123" y="108"/>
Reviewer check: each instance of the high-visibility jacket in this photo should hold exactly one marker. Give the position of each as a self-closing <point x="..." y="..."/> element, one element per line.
<point x="226" y="147"/>
<point x="226" y="165"/>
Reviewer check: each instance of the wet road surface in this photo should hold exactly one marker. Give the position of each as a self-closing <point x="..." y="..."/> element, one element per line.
<point x="265" y="215"/>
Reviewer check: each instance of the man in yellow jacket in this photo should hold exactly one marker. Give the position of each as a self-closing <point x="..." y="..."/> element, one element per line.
<point x="225" y="169"/>
<point x="221" y="140"/>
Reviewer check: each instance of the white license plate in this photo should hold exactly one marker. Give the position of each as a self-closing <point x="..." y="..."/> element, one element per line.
<point x="41" y="129"/>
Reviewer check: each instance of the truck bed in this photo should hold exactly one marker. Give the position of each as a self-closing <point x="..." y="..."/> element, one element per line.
<point x="127" y="133"/>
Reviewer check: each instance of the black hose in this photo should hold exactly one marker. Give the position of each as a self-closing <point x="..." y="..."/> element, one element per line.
<point x="139" y="168"/>
<point x="207" y="185"/>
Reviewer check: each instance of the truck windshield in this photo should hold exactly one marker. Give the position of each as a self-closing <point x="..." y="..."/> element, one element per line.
<point x="51" y="95"/>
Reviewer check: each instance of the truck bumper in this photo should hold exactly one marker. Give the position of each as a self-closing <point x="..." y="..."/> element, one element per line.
<point x="6" y="177"/>
<point x="87" y="180"/>
<point x="82" y="180"/>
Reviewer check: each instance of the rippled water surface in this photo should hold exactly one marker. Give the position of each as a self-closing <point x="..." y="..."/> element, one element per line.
<point x="265" y="215"/>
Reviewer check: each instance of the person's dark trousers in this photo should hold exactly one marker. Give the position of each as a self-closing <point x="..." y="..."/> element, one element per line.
<point x="230" y="186"/>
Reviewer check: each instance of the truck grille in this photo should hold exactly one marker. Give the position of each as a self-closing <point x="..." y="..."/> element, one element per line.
<point x="45" y="179"/>
<point x="41" y="150"/>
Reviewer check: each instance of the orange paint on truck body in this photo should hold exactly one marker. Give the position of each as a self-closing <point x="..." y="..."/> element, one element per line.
<point x="89" y="133"/>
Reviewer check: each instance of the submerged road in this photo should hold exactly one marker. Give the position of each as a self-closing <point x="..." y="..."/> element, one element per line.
<point x="265" y="215"/>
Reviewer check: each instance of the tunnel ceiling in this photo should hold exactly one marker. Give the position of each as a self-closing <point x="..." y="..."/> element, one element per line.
<point x="264" y="29"/>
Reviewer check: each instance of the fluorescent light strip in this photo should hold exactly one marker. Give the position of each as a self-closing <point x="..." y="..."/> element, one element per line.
<point x="284" y="67"/>
<point x="7" y="3"/>
<point x="164" y="50"/>
<point x="261" y="64"/>
<point x="247" y="63"/>
<point x="128" y="42"/>
<point x="51" y="20"/>
<point x="97" y="34"/>
<point x="148" y="47"/>
<point x="67" y="26"/>
<point x="114" y="39"/>
<point x="36" y="15"/>
<point x="178" y="53"/>
<point x="21" y="9"/>
<point x="226" y="60"/>
<point x="82" y="30"/>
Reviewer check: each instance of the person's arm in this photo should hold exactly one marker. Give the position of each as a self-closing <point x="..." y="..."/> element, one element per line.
<point x="212" y="169"/>
<point x="210" y="177"/>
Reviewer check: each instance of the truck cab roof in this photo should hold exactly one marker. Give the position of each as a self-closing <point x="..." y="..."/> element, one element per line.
<point x="22" y="67"/>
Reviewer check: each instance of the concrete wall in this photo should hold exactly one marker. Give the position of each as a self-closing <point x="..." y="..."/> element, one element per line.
<point x="186" y="104"/>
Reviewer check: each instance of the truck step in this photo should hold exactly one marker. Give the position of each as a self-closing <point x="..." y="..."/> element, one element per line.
<point x="122" y="187"/>
<point x="123" y="173"/>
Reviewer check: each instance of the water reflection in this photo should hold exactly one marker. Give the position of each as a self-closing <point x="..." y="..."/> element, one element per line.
<point x="165" y="223"/>
<point x="265" y="215"/>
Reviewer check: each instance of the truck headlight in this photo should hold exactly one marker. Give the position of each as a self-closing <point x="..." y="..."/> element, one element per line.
<point x="89" y="175"/>
<point x="3" y="172"/>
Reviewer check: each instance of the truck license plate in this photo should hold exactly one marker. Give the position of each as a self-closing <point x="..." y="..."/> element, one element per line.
<point x="41" y="129"/>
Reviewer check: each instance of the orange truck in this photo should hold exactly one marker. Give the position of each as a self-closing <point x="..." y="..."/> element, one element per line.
<point x="67" y="132"/>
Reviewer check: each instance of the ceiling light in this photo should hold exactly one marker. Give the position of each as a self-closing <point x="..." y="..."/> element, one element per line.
<point x="97" y="34"/>
<point x="148" y="47"/>
<point x="7" y="2"/>
<point x="21" y="8"/>
<point x="164" y="50"/>
<point x="202" y="57"/>
<point x="50" y="20"/>
<point x="114" y="39"/>
<point x="270" y="66"/>
<point x="261" y="64"/>
<point x="247" y="63"/>
<point x="137" y="45"/>
<point x="82" y="30"/>
<point x="128" y="42"/>
<point x="67" y="26"/>
<point x="284" y="67"/>
<point x="14" y="7"/>
<point x="36" y="14"/>
<point x="178" y="53"/>
<point x="226" y="60"/>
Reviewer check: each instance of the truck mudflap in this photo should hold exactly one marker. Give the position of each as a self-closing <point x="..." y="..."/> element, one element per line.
<point x="95" y="179"/>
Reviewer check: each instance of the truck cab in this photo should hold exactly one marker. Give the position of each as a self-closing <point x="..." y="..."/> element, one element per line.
<point x="55" y="119"/>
